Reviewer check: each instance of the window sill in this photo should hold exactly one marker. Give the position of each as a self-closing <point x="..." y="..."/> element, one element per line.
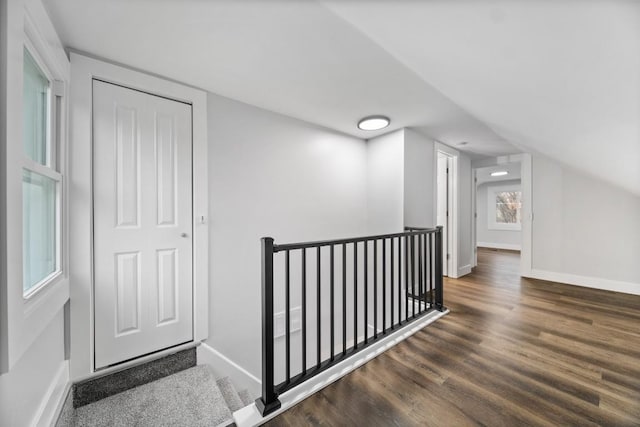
<point x="51" y="294"/>
<point x="50" y="280"/>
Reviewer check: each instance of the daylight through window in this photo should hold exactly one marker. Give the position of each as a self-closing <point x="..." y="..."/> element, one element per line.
<point x="508" y="206"/>
<point x="40" y="181"/>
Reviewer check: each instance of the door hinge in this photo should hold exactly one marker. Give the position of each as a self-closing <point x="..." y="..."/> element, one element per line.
<point x="448" y="256"/>
<point x="475" y="214"/>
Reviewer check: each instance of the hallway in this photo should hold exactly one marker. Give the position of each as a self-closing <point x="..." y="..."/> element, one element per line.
<point x="512" y="351"/>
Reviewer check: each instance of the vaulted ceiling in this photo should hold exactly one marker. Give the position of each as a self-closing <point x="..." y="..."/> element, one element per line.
<point x="560" y="78"/>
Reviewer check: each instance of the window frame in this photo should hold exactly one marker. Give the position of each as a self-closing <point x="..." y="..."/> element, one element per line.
<point x="52" y="169"/>
<point x="24" y="320"/>
<point x="492" y="192"/>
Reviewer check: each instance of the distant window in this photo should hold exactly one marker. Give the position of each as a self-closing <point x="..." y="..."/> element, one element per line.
<point x="505" y="207"/>
<point x="41" y="180"/>
<point x="508" y="207"/>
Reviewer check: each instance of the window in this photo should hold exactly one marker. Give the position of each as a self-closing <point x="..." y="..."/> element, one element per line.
<point x="505" y="208"/>
<point x="41" y="180"/>
<point x="508" y="207"/>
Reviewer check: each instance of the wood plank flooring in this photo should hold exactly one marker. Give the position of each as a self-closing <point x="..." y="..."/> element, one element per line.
<point x="512" y="352"/>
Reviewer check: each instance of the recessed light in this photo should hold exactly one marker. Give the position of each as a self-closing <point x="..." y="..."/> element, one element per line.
<point x="499" y="173"/>
<point x="374" y="123"/>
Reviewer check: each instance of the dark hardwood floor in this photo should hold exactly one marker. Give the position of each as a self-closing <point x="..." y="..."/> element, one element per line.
<point x="512" y="352"/>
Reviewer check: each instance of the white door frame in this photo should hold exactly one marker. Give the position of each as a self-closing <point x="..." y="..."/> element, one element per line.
<point x="526" y="216"/>
<point x="453" y="155"/>
<point x="527" y="204"/>
<point x="474" y="217"/>
<point x="83" y="71"/>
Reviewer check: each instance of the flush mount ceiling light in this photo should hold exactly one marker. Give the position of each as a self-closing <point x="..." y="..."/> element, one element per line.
<point x="499" y="173"/>
<point x="374" y="123"/>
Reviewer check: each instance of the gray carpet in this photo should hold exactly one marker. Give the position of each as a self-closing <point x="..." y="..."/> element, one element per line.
<point x="187" y="398"/>
<point x="229" y="394"/>
<point x="245" y="397"/>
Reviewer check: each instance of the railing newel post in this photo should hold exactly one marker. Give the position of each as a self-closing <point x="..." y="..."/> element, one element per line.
<point x="439" y="288"/>
<point x="269" y="402"/>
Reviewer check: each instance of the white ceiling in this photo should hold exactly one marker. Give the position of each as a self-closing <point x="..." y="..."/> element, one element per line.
<point x="560" y="78"/>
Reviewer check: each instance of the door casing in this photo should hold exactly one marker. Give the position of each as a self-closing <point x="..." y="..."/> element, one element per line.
<point x="83" y="71"/>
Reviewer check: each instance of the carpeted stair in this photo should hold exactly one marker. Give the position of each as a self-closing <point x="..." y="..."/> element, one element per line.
<point x="192" y="397"/>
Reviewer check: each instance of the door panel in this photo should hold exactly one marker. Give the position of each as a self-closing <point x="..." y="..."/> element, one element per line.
<point x="142" y="200"/>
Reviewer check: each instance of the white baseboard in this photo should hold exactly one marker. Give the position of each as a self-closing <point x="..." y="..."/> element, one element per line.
<point x="249" y="415"/>
<point x="464" y="270"/>
<point x="224" y="367"/>
<point x="507" y="246"/>
<point x="586" y="281"/>
<point x="47" y="413"/>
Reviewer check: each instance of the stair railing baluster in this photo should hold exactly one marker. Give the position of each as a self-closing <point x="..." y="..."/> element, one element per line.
<point x="332" y="302"/>
<point x="375" y="289"/>
<point x="344" y="299"/>
<point x="318" y="310"/>
<point x="287" y="317"/>
<point x="384" y="285"/>
<point x="366" y="292"/>
<point x="304" y="311"/>
<point x="355" y="295"/>
<point x="391" y="282"/>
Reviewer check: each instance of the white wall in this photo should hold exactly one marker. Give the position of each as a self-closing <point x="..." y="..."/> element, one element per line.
<point x="584" y="230"/>
<point x="385" y="183"/>
<point x="271" y="176"/>
<point x="501" y="239"/>
<point x="26" y="389"/>
<point x="419" y="180"/>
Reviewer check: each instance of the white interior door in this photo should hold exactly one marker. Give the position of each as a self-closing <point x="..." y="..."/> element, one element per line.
<point x="442" y="206"/>
<point x="142" y="195"/>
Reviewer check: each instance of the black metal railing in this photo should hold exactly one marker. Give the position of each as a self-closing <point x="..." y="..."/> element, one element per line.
<point x="392" y="280"/>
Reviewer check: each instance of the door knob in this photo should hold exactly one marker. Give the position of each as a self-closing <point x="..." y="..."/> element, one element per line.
<point x="184" y="235"/>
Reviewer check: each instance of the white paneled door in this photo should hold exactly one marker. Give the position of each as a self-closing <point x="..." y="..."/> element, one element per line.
<point x="142" y="198"/>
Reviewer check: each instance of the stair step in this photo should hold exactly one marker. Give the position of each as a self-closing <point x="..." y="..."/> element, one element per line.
<point x="187" y="398"/>
<point x="245" y="397"/>
<point x="95" y="389"/>
<point x="234" y="402"/>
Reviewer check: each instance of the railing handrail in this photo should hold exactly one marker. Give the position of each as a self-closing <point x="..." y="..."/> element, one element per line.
<point x="320" y="243"/>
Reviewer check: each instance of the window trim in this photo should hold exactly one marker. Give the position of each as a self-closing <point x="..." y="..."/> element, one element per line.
<point x="50" y="170"/>
<point x="492" y="192"/>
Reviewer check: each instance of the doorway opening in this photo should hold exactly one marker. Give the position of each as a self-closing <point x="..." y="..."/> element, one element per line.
<point x="498" y="208"/>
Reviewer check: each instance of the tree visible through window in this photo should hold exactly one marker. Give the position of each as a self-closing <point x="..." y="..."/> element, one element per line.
<point x="508" y="206"/>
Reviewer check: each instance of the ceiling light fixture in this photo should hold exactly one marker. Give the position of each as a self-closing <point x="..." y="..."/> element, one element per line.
<point x="499" y="173"/>
<point x="374" y="123"/>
